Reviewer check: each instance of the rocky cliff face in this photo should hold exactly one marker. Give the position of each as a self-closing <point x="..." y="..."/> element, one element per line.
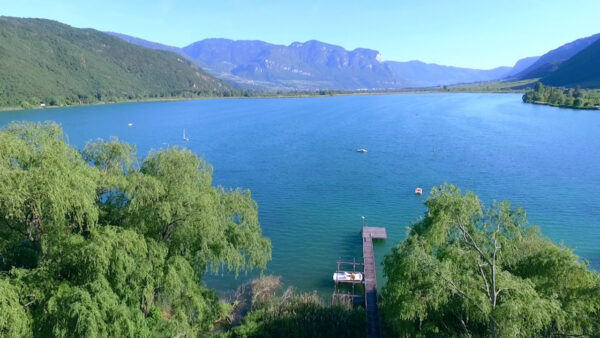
<point x="314" y="65"/>
<point x="308" y="65"/>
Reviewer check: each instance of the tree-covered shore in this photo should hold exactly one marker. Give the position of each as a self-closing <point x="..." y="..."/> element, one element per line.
<point x="231" y="93"/>
<point x="575" y="98"/>
<point x="102" y="243"/>
<point x="470" y="270"/>
<point x="249" y="94"/>
<point x="99" y="242"/>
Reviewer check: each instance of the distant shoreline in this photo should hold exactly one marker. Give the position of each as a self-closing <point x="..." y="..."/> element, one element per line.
<point x="273" y="96"/>
<point x="542" y="103"/>
<point x="572" y="98"/>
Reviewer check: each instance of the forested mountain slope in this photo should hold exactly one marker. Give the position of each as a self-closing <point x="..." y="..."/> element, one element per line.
<point x="552" y="60"/>
<point x="43" y="61"/>
<point x="582" y="70"/>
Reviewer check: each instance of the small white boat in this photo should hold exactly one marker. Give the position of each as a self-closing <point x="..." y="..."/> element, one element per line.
<point x="361" y="150"/>
<point x="185" y="138"/>
<point x="419" y="191"/>
<point x="129" y="124"/>
<point x="347" y="276"/>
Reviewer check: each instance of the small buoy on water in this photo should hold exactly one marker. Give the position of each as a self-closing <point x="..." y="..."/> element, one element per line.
<point x="419" y="191"/>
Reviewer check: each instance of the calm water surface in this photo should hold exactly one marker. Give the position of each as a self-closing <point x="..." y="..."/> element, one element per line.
<point x="299" y="159"/>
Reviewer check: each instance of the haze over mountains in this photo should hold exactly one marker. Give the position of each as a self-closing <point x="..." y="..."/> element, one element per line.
<point x="314" y="65"/>
<point x="420" y="74"/>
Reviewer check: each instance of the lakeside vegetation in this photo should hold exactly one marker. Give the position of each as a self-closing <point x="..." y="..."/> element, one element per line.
<point x="470" y="270"/>
<point x="576" y="98"/>
<point x="262" y="308"/>
<point x="229" y="93"/>
<point x="99" y="242"/>
<point x="245" y="93"/>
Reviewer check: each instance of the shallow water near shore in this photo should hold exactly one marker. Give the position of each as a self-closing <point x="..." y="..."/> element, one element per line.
<point x="298" y="157"/>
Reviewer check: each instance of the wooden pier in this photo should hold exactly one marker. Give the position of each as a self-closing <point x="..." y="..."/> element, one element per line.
<point x="369" y="280"/>
<point x="373" y="321"/>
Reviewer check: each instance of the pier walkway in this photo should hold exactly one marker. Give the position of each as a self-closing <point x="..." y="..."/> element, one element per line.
<point x="370" y="275"/>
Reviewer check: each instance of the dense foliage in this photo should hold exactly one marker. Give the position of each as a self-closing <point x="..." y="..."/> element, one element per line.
<point x="468" y="270"/>
<point x="563" y="97"/>
<point x="47" y="62"/>
<point x="100" y="243"/>
<point x="288" y="314"/>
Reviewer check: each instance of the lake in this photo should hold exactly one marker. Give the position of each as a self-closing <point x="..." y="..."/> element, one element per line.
<point x="298" y="157"/>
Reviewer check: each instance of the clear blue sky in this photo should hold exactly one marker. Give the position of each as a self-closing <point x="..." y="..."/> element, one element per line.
<point x="467" y="33"/>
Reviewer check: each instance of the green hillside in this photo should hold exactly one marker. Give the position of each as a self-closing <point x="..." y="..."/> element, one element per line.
<point x="581" y="70"/>
<point x="43" y="61"/>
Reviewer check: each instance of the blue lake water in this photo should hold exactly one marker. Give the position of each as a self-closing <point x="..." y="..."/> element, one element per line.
<point x="299" y="159"/>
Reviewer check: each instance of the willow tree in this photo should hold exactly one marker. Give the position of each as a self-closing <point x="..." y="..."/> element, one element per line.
<point x="45" y="188"/>
<point x="14" y="321"/>
<point x="469" y="270"/>
<point x="101" y="243"/>
<point x="169" y="197"/>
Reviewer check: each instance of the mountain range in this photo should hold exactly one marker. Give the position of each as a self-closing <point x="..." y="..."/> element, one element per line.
<point x="44" y="61"/>
<point x="316" y="65"/>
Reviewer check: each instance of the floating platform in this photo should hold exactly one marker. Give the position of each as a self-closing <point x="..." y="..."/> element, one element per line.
<point x="348" y="277"/>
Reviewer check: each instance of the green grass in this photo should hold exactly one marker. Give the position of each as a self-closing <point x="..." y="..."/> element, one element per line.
<point x="495" y="86"/>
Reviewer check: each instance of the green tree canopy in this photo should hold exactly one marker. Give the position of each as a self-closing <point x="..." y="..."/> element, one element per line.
<point x="100" y="243"/>
<point x="468" y="270"/>
<point x="14" y="321"/>
<point x="563" y="97"/>
<point x="45" y="187"/>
